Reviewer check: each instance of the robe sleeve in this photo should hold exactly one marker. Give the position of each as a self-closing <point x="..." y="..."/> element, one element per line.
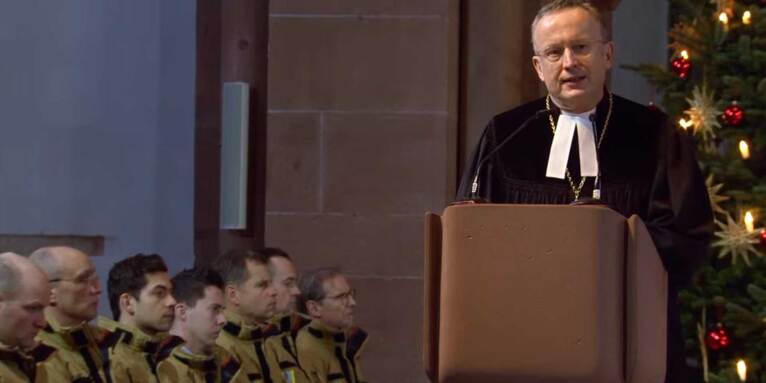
<point x="484" y="146"/>
<point x="679" y="218"/>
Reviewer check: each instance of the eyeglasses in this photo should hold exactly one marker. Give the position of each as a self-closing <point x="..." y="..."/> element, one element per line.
<point x="89" y="280"/>
<point x="580" y="49"/>
<point x="344" y="298"/>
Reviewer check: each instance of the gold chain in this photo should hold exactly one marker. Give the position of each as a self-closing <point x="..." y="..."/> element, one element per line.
<point x="576" y="190"/>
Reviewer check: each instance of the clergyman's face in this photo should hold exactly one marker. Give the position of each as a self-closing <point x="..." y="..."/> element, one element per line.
<point x="154" y="307"/>
<point x="572" y="58"/>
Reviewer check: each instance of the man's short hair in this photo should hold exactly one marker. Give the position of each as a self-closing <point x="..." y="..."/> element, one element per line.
<point x="232" y="266"/>
<point x="275" y="252"/>
<point x="189" y="285"/>
<point x="559" y="5"/>
<point x="311" y="285"/>
<point x="45" y="259"/>
<point x="9" y="276"/>
<point x="129" y="276"/>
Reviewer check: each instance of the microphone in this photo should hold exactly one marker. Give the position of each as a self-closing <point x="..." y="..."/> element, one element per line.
<point x="482" y="161"/>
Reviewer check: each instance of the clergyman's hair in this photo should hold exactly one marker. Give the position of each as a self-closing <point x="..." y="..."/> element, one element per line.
<point x="311" y="285"/>
<point x="45" y="259"/>
<point x="9" y="276"/>
<point x="189" y="285"/>
<point x="129" y="276"/>
<point x="232" y="266"/>
<point x="559" y="5"/>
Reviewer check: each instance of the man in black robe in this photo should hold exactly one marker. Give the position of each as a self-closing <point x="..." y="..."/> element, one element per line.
<point x="590" y="143"/>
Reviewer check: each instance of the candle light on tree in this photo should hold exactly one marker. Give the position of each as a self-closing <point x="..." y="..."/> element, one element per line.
<point x="744" y="149"/>
<point x="749" y="220"/>
<point x="742" y="370"/>
<point x="685" y="124"/>
<point x="724" y="19"/>
<point x="746" y="18"/>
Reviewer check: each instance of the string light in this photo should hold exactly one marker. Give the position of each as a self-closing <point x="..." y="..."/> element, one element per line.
<point x="742" y="370"/>
<point x="746" y="18"/>
<point x="685" y="124"/>
<point x="723" y="18"/>
<point x="685" y="54"/>
<point x="749" y="220"/>
<point x="744" y="149"/>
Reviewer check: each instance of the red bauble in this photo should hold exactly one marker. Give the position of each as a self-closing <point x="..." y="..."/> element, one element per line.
<point x="717" y="338"/>
<point x="763" y="239"/>
<point x="733" y="114"/>
<point x="682" y="67"/>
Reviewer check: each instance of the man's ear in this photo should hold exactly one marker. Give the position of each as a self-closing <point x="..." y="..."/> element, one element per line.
<point x="127" y="304"/>
<point x="180" y="311"/>
<point x="537" y="64"/>
<point x="52" y="301"/>
<point x="609" y="53"/>
<point x="314" y="309"/>
<point x="232" y="295"/>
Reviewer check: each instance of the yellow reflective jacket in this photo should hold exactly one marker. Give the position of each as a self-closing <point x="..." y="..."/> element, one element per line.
<point x="15" y="366"/>
<point x="280" y="346"/>
<point x="176" y="364"/>
<point x="132" y="354"/>
<point x="69" y="354"/>
<point x="330" y="357"/>
<point x="246" y="343"/>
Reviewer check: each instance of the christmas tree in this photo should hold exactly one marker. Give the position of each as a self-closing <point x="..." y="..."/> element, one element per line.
<point x="714" y="88"/>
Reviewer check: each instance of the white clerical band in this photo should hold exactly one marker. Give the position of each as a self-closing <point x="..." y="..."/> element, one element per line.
<point x="562" y="143"/>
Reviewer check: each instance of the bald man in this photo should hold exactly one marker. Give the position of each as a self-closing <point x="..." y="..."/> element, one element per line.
<point x="24" y="294"/>
<point x="69" y="349"/>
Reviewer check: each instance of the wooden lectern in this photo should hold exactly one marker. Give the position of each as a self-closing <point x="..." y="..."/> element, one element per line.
<point x="542" y="294"/>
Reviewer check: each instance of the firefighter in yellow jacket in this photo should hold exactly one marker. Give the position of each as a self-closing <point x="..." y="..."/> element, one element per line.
<point x="69" y="349"/>
<point x="140" y="296"/>
<point x="190" y="353"/>
<point x="24" y="293"/>
<point x="280" y="343"/>
<point x="328" y="347"/>
<point x="250" y="300"/>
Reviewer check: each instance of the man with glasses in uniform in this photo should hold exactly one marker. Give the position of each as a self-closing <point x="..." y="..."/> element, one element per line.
<point x="329" y="347"/>
<point x="69" y="349"/>
<point x="583" y="142"/>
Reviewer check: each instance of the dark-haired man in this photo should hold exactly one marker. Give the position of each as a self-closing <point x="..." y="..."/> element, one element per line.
<point x="329" y="347"/>
<point x="250" y="299"/>
<point x="190" y="353"/>
<point x="142" y="307"/>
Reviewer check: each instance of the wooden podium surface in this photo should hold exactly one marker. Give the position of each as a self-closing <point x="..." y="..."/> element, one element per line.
<point x="539" y="293"/>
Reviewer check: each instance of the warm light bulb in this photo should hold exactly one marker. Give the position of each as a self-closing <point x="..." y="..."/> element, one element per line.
<point x="742" y="370"/>
<point x="746" y="17"/>
<point x="685" y="124"/>
<point x="749" y="222"/>
<point x="744" y="149"/>
<point x="685" y="54"/>
<point x="723" y="18"/>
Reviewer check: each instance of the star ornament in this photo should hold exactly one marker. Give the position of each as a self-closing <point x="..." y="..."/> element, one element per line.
<point x="714" y="193"/>
<point x="736" y="241"/>
<point x="703" y="114"/>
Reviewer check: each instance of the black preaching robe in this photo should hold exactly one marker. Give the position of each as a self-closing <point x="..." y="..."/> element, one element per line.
<point x="648" y="167"/>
